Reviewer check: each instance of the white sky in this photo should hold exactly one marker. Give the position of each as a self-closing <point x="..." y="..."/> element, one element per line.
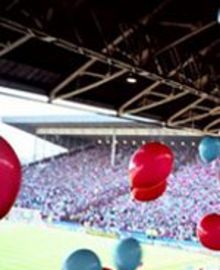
<point x="11" y="106"/>
<point x="28" y="147"/>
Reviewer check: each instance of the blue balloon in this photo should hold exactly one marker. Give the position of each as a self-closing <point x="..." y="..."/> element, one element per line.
<point x="128" y="254"/>
<point x="209" y="149"/>
<point x="82" y="259"/>
<point x="218" y="143"/>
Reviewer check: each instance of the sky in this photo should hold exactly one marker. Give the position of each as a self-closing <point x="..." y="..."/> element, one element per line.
<point x="35" y="148"/>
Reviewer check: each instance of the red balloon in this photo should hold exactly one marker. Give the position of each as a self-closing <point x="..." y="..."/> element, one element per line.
<point x="150" y="164"/>
<point x="151" y="193"/>
<point x="10" y="177"/>
<point x="208" y="231"/>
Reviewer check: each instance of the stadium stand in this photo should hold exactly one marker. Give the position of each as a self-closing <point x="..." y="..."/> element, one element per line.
<point x="61" y="189"/>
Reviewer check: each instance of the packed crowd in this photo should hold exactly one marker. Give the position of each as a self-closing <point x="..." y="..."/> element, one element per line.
<point x="67" y="185"/>
<point x="192" y="192"/>
<point x="84" y="187"/>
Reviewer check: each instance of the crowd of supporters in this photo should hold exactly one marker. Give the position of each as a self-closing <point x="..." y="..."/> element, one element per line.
<point x="84" y="187"/>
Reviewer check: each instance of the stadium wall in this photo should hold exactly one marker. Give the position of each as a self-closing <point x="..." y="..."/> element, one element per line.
<point x="141" y="237"/>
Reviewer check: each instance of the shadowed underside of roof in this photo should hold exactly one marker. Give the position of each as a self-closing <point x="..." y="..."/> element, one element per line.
<point x="83" y="51"/>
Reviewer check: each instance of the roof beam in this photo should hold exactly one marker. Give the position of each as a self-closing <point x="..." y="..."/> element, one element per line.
<point x="116" y="63"/>
<point x="69" y="79"/>
<point x="87" y="65"/>
<point x="186" y="37"/>
<point x="210" y="128"/>
<point x="115" y="131"/>
<point x="178" y="24"/>
<point x="158" y="83"/>
<point x="92" y="85"/>
<point x="16" y="44"/>
<point x="110" y="47"/>
<point x="154" y="104"/>
<point x="193" y="118"/>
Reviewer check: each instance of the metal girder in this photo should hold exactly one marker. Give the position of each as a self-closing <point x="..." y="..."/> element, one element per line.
<point x="150" y="89"/>
<point x="178" y="24"/>
<point x="202" y="108"/>
<point x="172" y="120"/>
<point x="158" y="103"/>
<point x="16" y="44"/>
<point x="210" y="128"/>
<point x="157" y="94"/>
<point x="92" y="85"/>
<point x="115" y="63"/>
<point x="93" y="74"/>
<point x="11" y="26"/>
<point x="158" y="83"/>
<point x="69" y="79"/>
<point x="157" y="10"/>
<point x="186" y="37"/>
<point x="191" y="59"/>
<point x="208" y="112"/>
<point x="110" y="47"/>
<point x="146" y="91"/>
<point x="87" y="65"/>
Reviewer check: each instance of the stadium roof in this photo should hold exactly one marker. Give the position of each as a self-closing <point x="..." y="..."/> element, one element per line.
<point x="91" y="125"/>
<point x="81" y="119"/>
<point x="149" y="59"/>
